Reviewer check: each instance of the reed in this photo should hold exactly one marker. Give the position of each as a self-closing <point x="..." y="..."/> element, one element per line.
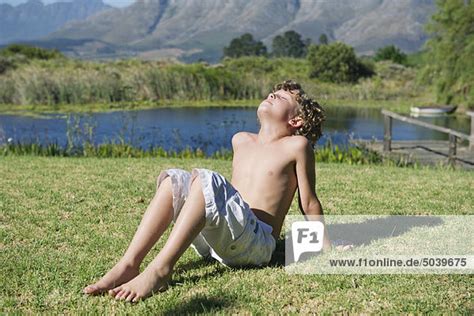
<point x="60" y="82"/>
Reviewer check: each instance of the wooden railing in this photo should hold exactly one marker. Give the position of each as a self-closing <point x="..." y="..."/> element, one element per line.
<point x="388" y="116"/>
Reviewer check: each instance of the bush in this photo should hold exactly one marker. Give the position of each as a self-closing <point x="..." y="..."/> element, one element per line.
<point x="392" y="53"/>
<point x="30" y="52"/>
<point x="5" y="64"/>
<point x="417" y="59"/>
<point x="336" y="62"/>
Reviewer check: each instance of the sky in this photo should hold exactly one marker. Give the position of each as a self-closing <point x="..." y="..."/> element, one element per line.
<point x="115" y="3"/>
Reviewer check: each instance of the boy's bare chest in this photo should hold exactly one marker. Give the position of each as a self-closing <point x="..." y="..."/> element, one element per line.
<point x="255" y="163"/>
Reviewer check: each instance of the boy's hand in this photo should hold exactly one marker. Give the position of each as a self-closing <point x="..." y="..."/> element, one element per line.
<point x="341" y="245"/>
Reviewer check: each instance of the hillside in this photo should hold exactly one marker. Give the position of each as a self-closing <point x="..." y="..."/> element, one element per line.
<point x="33" y="19"/>
<point x="191" y="30"/>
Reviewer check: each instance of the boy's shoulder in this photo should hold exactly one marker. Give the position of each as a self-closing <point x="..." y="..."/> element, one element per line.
<point x="242" y="137"/>
<point x="299" y="141"/>
<point x="298" y="146"/>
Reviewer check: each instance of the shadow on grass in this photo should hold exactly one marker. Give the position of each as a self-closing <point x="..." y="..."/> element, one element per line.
<point x="198" y="305"/>
<point x="358" y="234"/>
<point x="197" y="264"/>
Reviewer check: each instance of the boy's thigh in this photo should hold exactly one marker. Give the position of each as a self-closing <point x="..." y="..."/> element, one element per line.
<point x="179" y="181"/>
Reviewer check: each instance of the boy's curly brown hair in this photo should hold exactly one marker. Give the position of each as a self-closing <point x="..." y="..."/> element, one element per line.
<point x="309" y="110"/>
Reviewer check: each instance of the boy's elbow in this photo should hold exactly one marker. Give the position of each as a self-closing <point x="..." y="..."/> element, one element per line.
<point x="313" y="208"/>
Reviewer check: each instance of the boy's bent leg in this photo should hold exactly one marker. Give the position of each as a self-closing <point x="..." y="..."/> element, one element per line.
<point x="156" y="276"/>
<point x="154" y="222"/>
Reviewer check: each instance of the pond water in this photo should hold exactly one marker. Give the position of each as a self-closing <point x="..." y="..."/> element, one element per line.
<point x="210" y="129"/>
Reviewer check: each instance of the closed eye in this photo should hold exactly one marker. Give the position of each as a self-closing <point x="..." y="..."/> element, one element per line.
<point x="281" y="97"/>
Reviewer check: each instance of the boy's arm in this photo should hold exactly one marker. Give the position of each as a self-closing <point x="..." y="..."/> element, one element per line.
<point x="306" y="175"/>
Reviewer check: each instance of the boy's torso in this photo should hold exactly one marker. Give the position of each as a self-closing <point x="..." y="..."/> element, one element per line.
<point x="265" y="176"/>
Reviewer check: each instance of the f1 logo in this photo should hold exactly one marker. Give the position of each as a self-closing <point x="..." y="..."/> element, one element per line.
<point x="307" y="236"/>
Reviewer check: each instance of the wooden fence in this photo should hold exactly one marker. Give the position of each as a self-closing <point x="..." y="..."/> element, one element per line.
<point x="454" y="136"/>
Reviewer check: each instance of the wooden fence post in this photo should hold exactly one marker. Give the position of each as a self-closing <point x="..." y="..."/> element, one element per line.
<point x="452" y="149"/>
<point x="471" y="139"/>
<point x="387" y="133"/>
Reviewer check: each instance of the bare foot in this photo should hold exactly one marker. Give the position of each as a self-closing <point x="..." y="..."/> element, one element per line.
<point x="148" y="282"/>
<point x="119" y="274"/>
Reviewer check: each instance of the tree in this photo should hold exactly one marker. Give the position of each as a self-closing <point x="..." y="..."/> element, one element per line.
<point x="289" y="44"/>
<point x="245" y="45"/>
<point x="451" y="51"/>
<point x="323" y="39"/>
<point x="391" y="52"/>
<point x="336" y="62"/>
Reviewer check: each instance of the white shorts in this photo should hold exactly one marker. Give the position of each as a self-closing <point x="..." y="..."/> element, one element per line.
<point x="232" y="234"/>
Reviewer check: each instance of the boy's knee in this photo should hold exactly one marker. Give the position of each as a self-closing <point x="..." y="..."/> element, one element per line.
<point x="166" y="181"/>
<point x="196" y="186"/>
<point x="196" y="181"/>
<point x="165" y="185"/>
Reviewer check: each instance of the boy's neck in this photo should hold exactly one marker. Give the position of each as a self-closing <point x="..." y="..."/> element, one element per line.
<point x="271" y="133"/>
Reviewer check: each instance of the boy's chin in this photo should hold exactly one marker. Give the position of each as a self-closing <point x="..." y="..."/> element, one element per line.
<point x="264" y="105"/>
<point x="263" y="113"/>
<point x="268" y="118"/>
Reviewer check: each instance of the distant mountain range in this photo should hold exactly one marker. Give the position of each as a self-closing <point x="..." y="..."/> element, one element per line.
<point x="33" y="19"/>
<point x="199" y="29"/>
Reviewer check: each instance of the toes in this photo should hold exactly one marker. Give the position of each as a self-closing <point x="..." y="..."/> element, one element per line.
<point x="119" y="294"/>
<point x="115" y="291"/>
<point x="130" y="297"/>
<point x="136" y="298"/>
<point x="90" y="289"/>
<point x="124" y="295"/>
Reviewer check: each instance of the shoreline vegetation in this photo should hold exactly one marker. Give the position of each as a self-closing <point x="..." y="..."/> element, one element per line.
<point x="327" y="153"/>
<point x="36" y="110"/>
<point x="62" y="85"/>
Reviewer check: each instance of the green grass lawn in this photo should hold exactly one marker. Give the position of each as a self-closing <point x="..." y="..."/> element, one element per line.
<point x="65" y="221"/>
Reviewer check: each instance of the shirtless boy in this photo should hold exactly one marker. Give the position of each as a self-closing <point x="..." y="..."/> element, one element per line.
<point x="236" y="223"/>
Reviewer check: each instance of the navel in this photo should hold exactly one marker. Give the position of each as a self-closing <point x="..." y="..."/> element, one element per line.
<point x="270" y="173"/>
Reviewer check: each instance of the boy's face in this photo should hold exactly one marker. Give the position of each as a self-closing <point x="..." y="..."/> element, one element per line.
<point x="280" y="105"/>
